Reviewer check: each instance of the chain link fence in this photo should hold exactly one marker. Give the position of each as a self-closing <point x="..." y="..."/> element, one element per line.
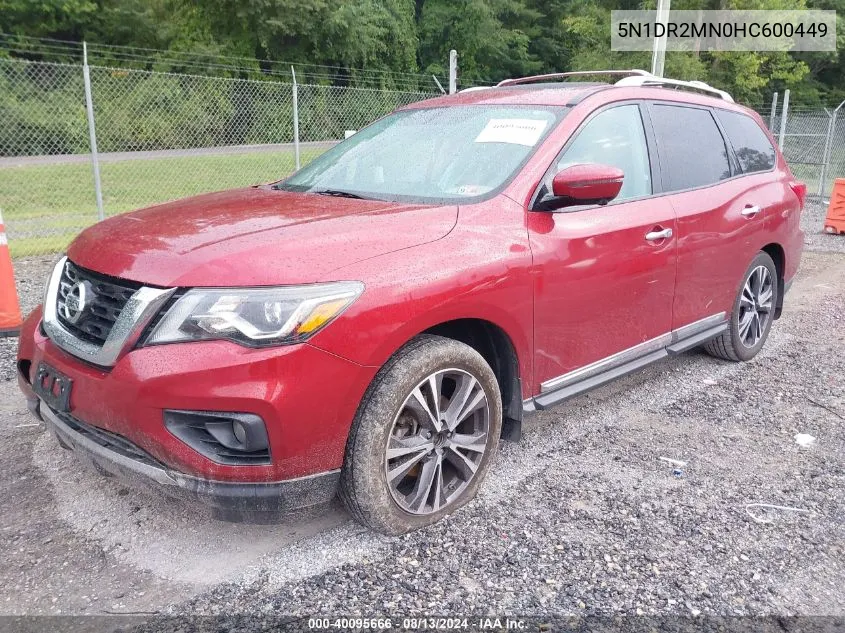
<point x="159" y="136"/>
<point x="45" y="199"/>
<point x="834" y="161"/>
<point x="803" y="135"/>
<point x="163" y="136"/>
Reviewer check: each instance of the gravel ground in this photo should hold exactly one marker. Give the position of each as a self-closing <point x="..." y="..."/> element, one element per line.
<point x="812" y="221"/>
<point x="579" y="518"/>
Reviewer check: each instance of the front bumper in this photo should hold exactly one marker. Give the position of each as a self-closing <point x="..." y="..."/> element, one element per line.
<point x="231" y="500"/>
<point x="306" y="397"/>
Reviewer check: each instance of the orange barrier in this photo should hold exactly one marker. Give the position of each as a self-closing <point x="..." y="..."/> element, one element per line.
<point x="835" y="222"/>
<point x="10" y="309"/>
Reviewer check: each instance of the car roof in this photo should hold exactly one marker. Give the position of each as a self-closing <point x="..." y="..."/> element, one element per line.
<point x="572" y="93"/>
<point x="547" y="94"/>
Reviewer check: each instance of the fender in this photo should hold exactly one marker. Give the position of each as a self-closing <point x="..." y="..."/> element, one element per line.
<point x="481" y="272"/>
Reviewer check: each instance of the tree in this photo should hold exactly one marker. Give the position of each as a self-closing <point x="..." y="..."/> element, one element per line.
<point x="344" y="41"/>
<point x="353" y="34"/>
<point x="488" y="34"/>
<point x="66" y="19"/>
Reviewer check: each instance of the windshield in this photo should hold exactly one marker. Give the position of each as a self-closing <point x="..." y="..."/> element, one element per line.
<point x="430" y="155"/>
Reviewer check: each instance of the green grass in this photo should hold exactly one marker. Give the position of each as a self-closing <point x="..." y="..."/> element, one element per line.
<point x="45" y="206"/>
<point x="809" y="174"/>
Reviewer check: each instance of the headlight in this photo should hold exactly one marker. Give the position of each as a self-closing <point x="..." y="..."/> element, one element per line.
<point x="255" y="316"/>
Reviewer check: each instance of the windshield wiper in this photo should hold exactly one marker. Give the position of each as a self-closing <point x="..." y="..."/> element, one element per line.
<point x="339" y="194"/>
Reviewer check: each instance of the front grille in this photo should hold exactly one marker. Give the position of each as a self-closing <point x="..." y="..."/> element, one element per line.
<point x="105" y="299"/>
<point x="107" y="439"/>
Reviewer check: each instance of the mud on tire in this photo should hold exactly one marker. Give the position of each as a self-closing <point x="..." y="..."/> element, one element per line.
<point x="364" y="486"/>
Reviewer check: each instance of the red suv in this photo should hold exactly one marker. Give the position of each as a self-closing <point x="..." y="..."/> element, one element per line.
<point x="374" y="324"/>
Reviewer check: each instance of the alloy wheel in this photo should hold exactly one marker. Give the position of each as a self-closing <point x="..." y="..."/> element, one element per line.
<point x="437" y="441"/>
<point x="755" y="306"/>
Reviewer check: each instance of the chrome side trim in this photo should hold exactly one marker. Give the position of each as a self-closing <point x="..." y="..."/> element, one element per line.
<point x="547" y="400"/>
<point x="698" y="326"/>
<point x="605" y="364"/>
<point x="138" y="312"/>
<point x="632" y="353"/>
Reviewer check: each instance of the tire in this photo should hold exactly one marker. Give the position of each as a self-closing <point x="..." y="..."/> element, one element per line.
<point x="735" y="343"/>
<point x="390" y="412"/>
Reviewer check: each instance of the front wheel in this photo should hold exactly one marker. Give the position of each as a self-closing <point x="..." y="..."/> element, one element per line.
<point x="423" y="438"/>
<point x="753" y="313"/>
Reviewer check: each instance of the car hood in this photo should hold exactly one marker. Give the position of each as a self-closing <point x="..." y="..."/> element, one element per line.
<point x="254" y="237"/>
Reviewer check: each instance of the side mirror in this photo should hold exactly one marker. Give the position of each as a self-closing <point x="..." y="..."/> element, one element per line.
<point x="589" y="183"/>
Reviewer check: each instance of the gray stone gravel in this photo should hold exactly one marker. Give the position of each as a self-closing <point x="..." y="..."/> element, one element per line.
<point x="812" y="221"/>
<point x="581" y="517"/>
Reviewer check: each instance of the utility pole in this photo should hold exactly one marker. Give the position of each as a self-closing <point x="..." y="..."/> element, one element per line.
<point x="295" y="97"/>
<point x="658" y="51"/>
<point x="453" y="71"/>
<point x="92" y="133"/>
<point x="784" y="113"/>
<point x="773" y="113"/>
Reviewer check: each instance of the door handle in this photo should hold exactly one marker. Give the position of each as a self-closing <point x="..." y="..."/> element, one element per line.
<point x="750" y="212"/>
<point x="653" y="236"/>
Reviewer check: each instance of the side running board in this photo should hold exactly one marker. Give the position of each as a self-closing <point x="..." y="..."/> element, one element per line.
<point x="585" y="379"/>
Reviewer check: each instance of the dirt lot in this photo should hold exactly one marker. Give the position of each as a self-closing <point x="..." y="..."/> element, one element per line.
<point x="581" y="517"/>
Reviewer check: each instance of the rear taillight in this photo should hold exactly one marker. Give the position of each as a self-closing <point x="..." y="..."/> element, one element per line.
<point x="800" y="190"/>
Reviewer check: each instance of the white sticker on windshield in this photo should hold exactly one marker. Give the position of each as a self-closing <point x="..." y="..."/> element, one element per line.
<point x="515" y="131"/>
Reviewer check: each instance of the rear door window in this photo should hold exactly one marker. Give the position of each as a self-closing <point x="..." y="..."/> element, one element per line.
<point x="752" y="147"/>
<point x="692" y="150"/>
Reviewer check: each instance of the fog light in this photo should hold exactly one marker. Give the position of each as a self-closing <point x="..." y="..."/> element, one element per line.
<point x="225" y="438"/>
<point x="240" y="431"/>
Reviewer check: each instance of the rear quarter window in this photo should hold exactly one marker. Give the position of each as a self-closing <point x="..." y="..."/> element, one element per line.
<point x="752" y="147"/>
<point x="692" y="150"/>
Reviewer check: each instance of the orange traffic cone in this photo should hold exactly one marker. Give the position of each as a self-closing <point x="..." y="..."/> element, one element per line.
<point x="10" y="310"/>
<point x="835" y="222"/>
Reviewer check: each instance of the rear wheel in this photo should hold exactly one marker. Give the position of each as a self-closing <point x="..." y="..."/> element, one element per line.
<point x="423" y="438"/>
<point x="753" y="313"/>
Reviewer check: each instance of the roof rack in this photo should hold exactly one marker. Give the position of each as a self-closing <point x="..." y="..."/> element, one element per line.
<point x="633" y="77"/>
<point x="652" y="80"/>
<point x="574" y="73"/>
